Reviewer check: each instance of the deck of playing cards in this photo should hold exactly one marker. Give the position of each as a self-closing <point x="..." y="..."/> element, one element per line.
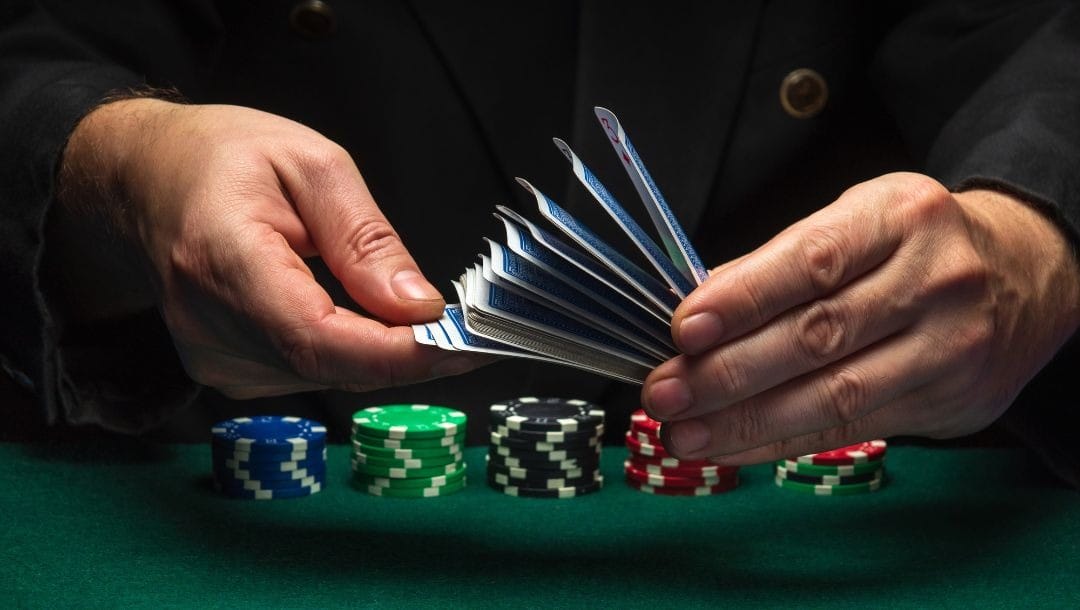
<point x="588" y="306"/>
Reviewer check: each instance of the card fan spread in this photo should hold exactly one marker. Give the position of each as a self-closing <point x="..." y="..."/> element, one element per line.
<point x="575" y="300"/>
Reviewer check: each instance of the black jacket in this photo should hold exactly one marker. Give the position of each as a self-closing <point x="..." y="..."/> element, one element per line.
<point x="442" y="104"/>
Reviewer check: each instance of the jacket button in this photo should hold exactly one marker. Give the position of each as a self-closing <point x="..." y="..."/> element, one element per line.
<point x="313" y="19"/>
<point x="803" y="93"/>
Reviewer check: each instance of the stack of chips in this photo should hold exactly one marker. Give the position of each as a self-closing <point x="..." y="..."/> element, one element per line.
<point x="855" y="469"/>
<point x="408" y="451"/>
<point x="545" y="447"/>
<point x="267" y="457"/>
<point x="651" y="468"/>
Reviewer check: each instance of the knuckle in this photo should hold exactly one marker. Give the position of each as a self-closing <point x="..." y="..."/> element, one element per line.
<point x="372" y="240"/>
<point x="824" y="253"/>
<point x="923" y="199"/>
<point x="752" y="295"/>
<point x="821" y="332"/>
<point x="728" y="377"/>
<point x="844" y="394"/>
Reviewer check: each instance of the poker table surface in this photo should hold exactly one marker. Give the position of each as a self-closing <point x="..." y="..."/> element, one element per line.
<point x="134" y="523"/>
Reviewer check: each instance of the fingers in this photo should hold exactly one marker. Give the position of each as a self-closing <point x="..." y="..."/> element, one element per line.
<point x="355" y="239"/>
<point x="799" y="341"/>
<point x="811" y="259"/>
<point x="269" y="328"/>
<point x="828" y="398"/>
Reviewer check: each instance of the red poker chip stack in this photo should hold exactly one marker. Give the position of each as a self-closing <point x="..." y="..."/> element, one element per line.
<point x="651" y="468"/>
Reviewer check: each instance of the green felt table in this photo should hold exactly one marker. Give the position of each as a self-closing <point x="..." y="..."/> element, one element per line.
<point x="135" y="524"/>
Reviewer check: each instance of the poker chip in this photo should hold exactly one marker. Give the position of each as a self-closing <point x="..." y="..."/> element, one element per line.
<point x="561" y="492"/>
<point x="645" y="449"/>
<point x="541" y="483"/>
<point x="547" y="415"/>
<point x="247" y="457"/>
<point x="859" y="453"/>
<point x="270" y="494"/>
<point x="512" y="442"/>
<point x="831" y="490"/>
<point x="545" y="447"/>
<point x="645" y="439"/>
<point x="561" y="455"/>
<point x="851" y="470"/>
<point x="665" y="480"/>
<point x="409" y="422"/>
<point x="410" y="463"/>
<point x="435" y="481"/>
<point x="651" y="469"/>
<point x="268" y="456"/>
<point x="543" y="464"/>
<point x="642" y="424"/>
<point x="827" y="479"/>
<point x="682" y="469"/>
<point x="267" y="475"/>
<point x="839" y="471"/>
<point x="405" y="453"/>
<point x="710" y="490"/>
<point x="442" y="442"/>
<point x="404" y="473"/>
<point x="554" y="436"/>
<point x="416" y="492"/>
<point x="269" y="434"/>
<point x="535" y="474"/>
<point x="225" y="482"/>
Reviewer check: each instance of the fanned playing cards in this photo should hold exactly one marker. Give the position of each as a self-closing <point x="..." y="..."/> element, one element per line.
<point x="576" y="300"/>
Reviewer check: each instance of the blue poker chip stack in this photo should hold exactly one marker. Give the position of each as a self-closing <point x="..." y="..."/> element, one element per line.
<point x="267" y="457"/>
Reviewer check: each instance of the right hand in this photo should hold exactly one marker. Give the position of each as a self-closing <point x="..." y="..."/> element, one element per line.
<point x="223" y="203"/>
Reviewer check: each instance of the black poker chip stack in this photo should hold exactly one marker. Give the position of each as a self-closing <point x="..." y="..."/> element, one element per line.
<point x="545" y="447"/>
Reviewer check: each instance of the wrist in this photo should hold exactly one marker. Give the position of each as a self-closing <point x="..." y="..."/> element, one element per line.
<point x="94" y="264"/>
<point x="1015" y="237"/>
<point x="99" y="169"/>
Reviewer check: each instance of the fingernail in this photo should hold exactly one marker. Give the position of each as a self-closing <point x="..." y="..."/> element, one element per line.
<point x="699" y="332"/>
<point x="410" y="285"/>
<point x="668" y="397"/>
<point x="687" y="437"/>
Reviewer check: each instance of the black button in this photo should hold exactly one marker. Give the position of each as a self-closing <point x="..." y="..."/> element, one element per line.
<point x="803" y="93"/>
<point x="313" y="19"/>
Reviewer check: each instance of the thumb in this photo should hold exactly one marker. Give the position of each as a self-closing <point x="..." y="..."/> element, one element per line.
<point x="358" y="244"/>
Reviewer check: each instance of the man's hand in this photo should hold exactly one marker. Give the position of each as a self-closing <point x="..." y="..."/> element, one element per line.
<point x="222" y="204"/>
<point x="899" y="309"/>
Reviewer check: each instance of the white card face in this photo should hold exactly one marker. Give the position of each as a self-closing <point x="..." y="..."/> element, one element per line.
<point x="678" y="283"/>
<point x="673" y="237"/>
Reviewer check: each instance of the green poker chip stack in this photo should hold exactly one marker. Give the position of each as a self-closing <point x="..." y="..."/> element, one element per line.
<point x="408" y="451"/>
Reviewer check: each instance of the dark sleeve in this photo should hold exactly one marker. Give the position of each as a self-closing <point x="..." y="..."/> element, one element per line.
<point x="989" y="96"/>
<point x="56" y="64"/>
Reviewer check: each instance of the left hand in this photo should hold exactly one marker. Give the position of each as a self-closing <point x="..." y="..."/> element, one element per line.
<point x="901" y="308"/>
